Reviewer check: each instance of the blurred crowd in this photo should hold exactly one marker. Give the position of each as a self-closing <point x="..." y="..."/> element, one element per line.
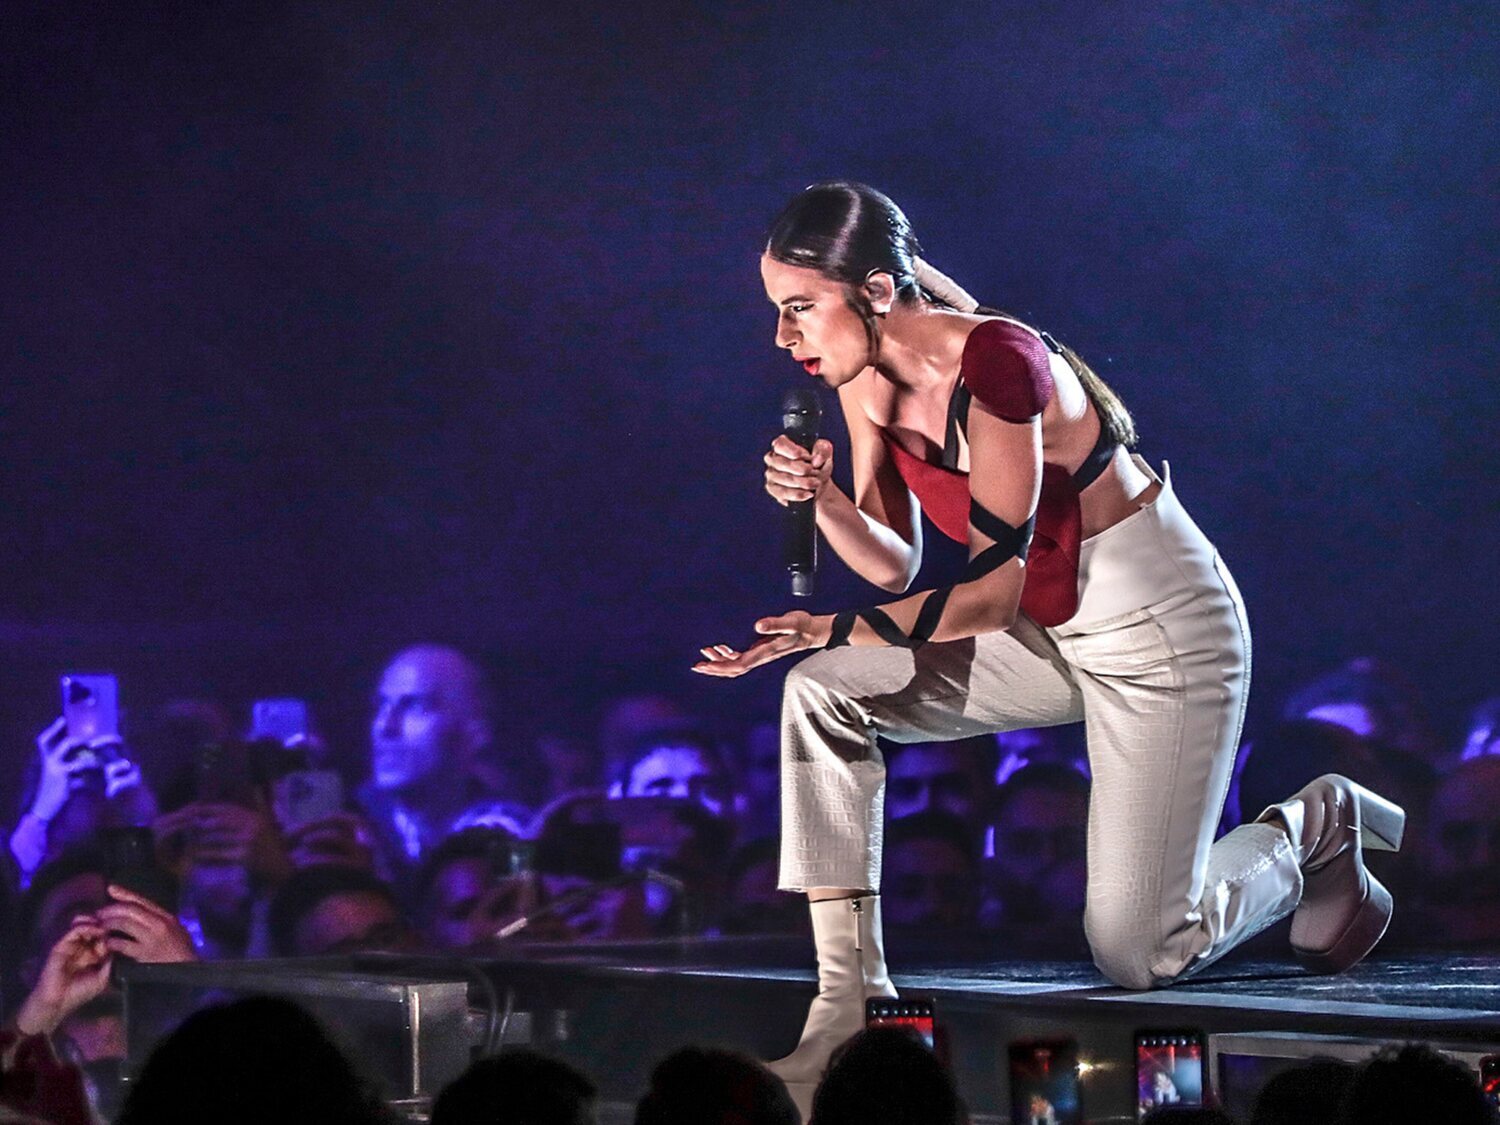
<point x="208" y="836"/>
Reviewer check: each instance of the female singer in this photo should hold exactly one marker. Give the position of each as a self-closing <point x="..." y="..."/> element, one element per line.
<point x="1090" y="595"/>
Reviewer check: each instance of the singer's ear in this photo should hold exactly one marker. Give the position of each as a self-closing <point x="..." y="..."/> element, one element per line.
<point x="880" y="290"/>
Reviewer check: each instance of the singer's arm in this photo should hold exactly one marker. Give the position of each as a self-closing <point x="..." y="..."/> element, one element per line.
<point x="1005" y="480"/>
<point x="878" y="533"/>
<point x="1005" y="475"/>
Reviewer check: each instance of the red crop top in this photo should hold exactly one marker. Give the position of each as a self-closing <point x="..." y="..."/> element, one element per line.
<point x="1006" y="370"/>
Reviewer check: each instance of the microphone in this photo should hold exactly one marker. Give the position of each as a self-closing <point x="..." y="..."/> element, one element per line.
<point x="800" y="415"/>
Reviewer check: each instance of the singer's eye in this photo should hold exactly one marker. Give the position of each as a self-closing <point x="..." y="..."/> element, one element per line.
<point x="798" y="308"/>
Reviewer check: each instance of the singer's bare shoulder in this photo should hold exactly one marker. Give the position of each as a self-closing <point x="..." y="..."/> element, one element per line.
<point x="869" y="396"/>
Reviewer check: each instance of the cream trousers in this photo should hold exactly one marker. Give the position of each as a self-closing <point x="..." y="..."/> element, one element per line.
<point x="1156" y="664"/>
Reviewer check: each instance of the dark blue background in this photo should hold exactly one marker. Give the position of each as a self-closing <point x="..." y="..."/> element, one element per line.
<point x="330" y="327"/>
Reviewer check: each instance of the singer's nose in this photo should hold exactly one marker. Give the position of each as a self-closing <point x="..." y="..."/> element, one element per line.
<point x="785" y="338"/>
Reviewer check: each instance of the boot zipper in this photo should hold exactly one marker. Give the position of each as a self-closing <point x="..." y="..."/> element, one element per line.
<point x="858" y="908"/>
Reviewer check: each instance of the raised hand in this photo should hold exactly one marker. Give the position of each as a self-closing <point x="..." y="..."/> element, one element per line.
<point x="62" y="758"/>
<point x="793" y="473"/>
<point x="139" y="928"/>
<point x="340" y="838"/>
<point x="791" y="632"/>
<point x="76" y="971"/>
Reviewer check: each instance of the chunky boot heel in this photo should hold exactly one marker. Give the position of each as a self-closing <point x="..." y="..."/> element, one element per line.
<point x="1344" y="910"/>
<point x="1382" y="823"/>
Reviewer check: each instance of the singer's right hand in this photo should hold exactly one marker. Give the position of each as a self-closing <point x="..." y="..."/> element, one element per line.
<point x="793" y="474"/>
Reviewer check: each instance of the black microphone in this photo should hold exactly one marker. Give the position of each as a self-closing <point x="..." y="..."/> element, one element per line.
<point x="800" y="414"/>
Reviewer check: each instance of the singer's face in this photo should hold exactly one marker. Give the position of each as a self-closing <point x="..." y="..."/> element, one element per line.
<point x="815" y="322"/>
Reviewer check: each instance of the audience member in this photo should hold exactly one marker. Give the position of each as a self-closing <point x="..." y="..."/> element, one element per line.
<point x="889" y="1075"/>
<point x="570" y="764"/>
<point x="1373" y="701"/>
<point x="1305" y="1095"/>
<point x="757" y="906"/>
<point x="81" y="786"/>
<point x="335" y="909"/>
<point x="683" y="764"/>
<point x="224" y="847"/>
<point x="955" y="777"/>
<point x="463" y="888"/>
<point x="630" y="719"/>
<point x="1063" y="746"/>
<point x="517" y="1087"/>
<point x="256" y="1060"/>
<point x="432" y="760"/>
<point x="72" y="911"/>
<point x="1459" y="853"/>
<point x="1403" y="1085"/>
<point x="931" y="874"/>
<point x="1295" y="751"/>
<point x="1482" y="735"/>
<point x="710" y="1086"/>
<point x="761" y="773"/>
<point x="1036" y="874"/>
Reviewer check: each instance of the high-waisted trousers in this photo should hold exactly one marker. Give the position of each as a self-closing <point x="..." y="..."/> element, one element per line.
<point x="1155" y="663"/>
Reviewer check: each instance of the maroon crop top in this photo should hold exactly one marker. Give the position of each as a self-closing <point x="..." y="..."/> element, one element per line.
<point x="1006" y="370"/>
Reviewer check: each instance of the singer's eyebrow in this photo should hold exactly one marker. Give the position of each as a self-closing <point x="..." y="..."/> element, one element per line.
<point x="789" y="300"/>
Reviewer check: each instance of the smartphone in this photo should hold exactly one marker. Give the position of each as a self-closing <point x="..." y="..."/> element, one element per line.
<point x="304" y="796"/>
<point x="130" y="862"/>
<point x="1489" y="1078"/>
<point x="918" y="1015"/>
<point x="1168" y="1070"/>
<point x="1044" y="1087"/>
<point x="285" y="720"/>
<point x="90" y="706"/>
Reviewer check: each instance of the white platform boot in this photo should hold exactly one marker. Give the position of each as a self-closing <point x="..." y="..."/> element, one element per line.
<point x="1344" y="910"/>
<point x="851" y="968"/>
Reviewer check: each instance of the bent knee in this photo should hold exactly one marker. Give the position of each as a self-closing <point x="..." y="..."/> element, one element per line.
<point x="1128" y="948"/>
<point x="1129" y="967"/>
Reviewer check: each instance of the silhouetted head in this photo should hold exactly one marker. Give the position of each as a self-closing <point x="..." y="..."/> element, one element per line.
<point x="1414" y="1083"/>
<point x="261" y="1059"/>
<point x="886" y="1074"/>
<point x="709" y="1086"/>
<point x="518" y="1087"/>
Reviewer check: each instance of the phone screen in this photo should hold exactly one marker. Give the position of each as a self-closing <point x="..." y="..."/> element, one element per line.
<point x="303" y="796"/>
<point x="285" y="720"/>
<point x="918" y="1015"/>
<point x="1489" y="1078"/>
<point x="1168" y="1070"/>
<point x="1044" y="1087"/>
<point x="90" y="706"/>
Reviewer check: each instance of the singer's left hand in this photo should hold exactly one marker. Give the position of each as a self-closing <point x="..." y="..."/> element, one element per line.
<point x="791" y="632"/>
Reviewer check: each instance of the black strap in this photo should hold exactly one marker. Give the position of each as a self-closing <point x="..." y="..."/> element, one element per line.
<point x="1098" y="459"/>
<point x="958" y="420"/>
<point x="886" y="629"/>
<point x="843" y="625"/>
<point x="1013" y="541"/>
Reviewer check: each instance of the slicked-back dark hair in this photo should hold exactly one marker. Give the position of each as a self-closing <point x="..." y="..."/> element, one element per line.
<point x="845" y="231"/>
